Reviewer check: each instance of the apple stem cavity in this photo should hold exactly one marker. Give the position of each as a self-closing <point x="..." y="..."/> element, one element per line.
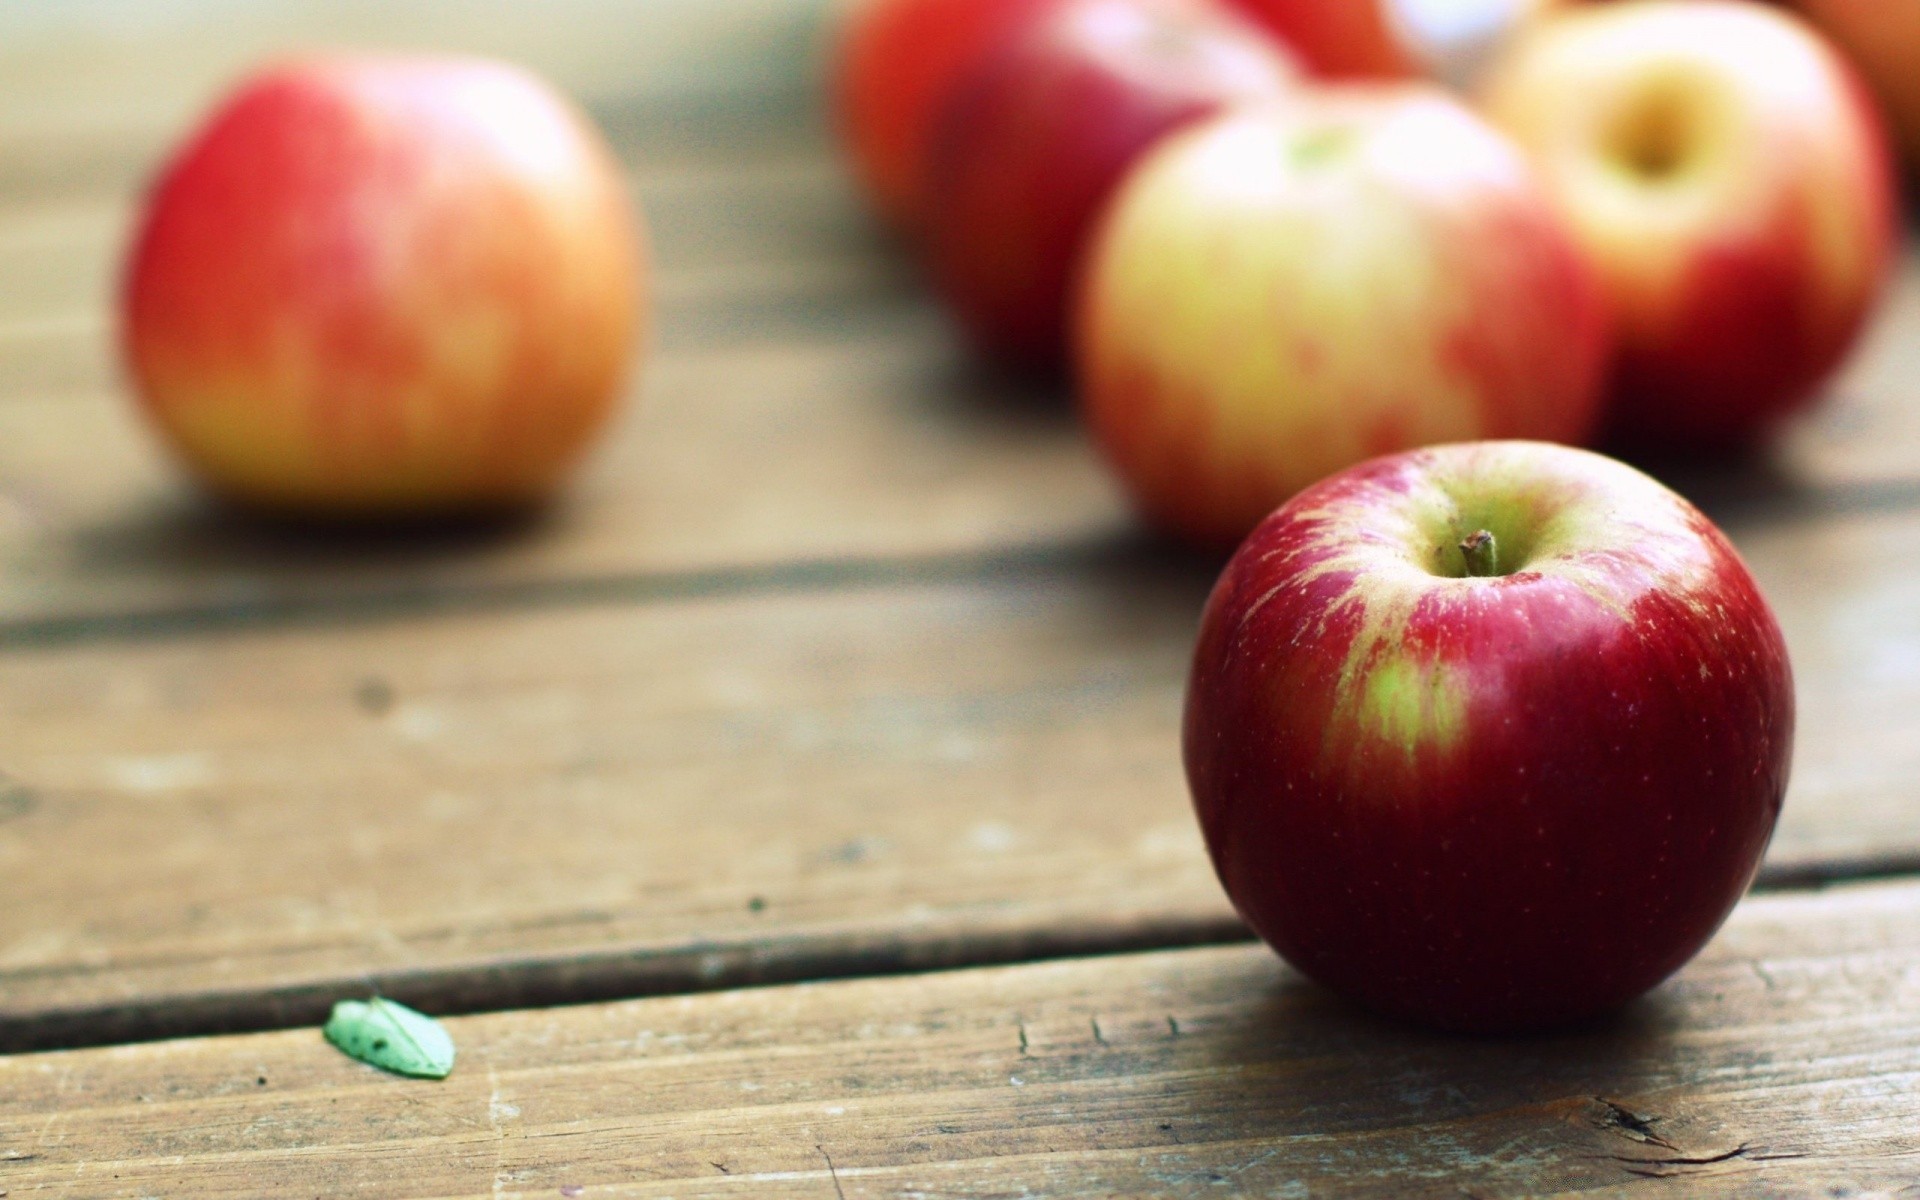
<point x="1482" y="554"/>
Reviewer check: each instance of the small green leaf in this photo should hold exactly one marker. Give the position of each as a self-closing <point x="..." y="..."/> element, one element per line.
<point x="392" y="1037"/>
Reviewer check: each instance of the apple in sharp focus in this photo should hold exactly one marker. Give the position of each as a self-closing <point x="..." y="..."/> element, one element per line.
<point x="1030" y="146"/>
<point x="1723" y="168"/>
<point x="1883" y="39"/>
<point x="894" y="62"/>
<point x="1488" y="737"/>
<point x="377" y="286"/>
<point x="1283" y="292"/>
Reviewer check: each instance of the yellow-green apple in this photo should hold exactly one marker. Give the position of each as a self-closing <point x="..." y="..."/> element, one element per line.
<point x="1284" y="292"/>
<point x="1393" y="39"/>
<point x="1883" y="39"/>
<point x="1489" y="736"/>
<point x="385" y="286"/>
<point x="1033" y="141"/>
<point x="894" y="63"/>
<point x="1724" y="170"/>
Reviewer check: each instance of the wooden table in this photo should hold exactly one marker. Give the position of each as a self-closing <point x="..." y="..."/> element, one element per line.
<point x="818" y="755"/>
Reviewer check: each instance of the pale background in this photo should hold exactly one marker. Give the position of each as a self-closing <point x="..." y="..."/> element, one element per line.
<point x="84" y="72"/>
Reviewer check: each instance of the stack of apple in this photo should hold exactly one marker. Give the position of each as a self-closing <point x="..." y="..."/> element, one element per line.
<point x="1656" y="224"/>
<point x="1489" y="735"/>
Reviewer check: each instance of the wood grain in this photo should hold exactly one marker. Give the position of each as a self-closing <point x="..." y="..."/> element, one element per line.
<point x="1784" y="1062"/>
<point x="747" y="778"/>
<point x="850" y="772"/>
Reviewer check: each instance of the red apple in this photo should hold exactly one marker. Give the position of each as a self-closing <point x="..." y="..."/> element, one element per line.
<point x="1284" y="292"/>
<point x="1723" y="168"/>
<point x="385" y="286"/>
<point x="1883" y="39"/>
<point x="1391" y="39"/>
<point x="1343" y="39"/>
<point x="1488" y="737"/>
<point x="894" y="64"/>
<point x="1031" y="145"/>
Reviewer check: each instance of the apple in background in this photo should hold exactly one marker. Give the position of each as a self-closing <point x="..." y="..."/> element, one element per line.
<point x="1724" y="170"/>
<point x="385" y="287"/>
<point x="1392" y="39"/>
<point x="1488" y="737"/>
<point x="894" y="63"/>
<point x="1342" y="39"/>
<point x="1883" y="39"/>
<point x="1286" y="291"/>
<point x="1030" y="146"/>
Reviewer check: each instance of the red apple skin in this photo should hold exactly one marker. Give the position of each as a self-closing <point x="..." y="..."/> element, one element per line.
<point x="376" y="287"/>
<point x="1033" y="143"/>
<point x="1727" y="173"/>
<point x="1882" y="37"/>
<point x="1495" y="804"/>
<point x="1283" y="292"/>
<point x="1340" y="39"/>
<point x="894" y="63"/>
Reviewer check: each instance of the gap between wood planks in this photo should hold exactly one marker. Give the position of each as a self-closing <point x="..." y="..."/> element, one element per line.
<point x="533" y="982"/>
<point x="1117" y="552"/>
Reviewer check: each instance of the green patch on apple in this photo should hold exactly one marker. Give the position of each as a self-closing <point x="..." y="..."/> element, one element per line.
<point x="1414" y="705"/>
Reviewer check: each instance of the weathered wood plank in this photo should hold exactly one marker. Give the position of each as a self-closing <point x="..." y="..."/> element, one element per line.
<point x="703" y="788"/>
<point x="224" y="827"/>
<point x="1785" y="1061"/>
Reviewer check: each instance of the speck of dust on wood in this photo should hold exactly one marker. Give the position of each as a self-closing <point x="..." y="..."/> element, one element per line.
<point x="374" y="695"/>
<point x="15" y="801"/>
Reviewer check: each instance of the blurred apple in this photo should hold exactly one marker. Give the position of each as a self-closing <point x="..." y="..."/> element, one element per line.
<point x="385" y="286"/>
<point x="1393" y="39"/>
<point x="894" y="63"/>
<point x="1883" y="38"/>
<point x="1033" y="143"/>
<point x="1284" y="292"/>
<point x="1722" y="167"/>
